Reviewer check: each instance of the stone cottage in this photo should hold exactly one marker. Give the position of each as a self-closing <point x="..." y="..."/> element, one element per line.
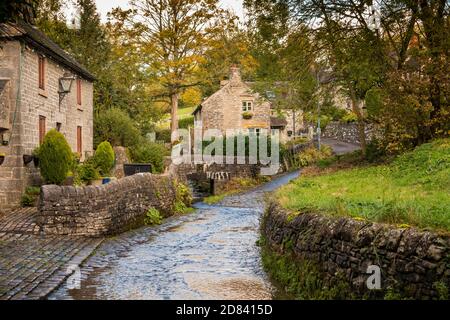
<point x="41" y="88"/>
<point x="236" y="106"/>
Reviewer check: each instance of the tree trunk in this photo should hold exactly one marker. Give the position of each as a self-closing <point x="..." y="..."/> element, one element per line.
<point x="361" y="126"/>
<point x="174" y="112"/>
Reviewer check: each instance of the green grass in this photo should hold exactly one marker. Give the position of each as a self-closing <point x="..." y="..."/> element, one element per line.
<point x="414" y="189"/>
<point x="214" y="199"/>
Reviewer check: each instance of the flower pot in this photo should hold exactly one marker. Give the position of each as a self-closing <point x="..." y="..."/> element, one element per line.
<point x="2" y="158"/>
<point x="36" y="161"/>
<point x="27" y="158"/>
<point x="247" y="115"/>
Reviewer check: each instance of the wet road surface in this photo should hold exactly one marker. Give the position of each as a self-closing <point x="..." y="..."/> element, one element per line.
<point x="209" y="254"/>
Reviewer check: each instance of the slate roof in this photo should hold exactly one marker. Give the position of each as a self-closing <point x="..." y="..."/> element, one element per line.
<point x="37" y="39"/>
<point x="276" y="122"/>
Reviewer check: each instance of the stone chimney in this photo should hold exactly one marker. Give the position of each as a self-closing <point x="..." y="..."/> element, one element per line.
<point x="235" y="75"/>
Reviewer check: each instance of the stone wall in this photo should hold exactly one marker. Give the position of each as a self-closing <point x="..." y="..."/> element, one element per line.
<point x="347" y="132"/>
<point x="104" y="210"/>
<point x="412" y="262"/>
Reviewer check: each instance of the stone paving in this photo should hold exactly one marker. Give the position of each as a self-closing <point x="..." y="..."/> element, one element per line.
<point x="33" y="265"/>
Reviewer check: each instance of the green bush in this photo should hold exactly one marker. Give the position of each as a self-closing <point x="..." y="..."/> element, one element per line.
<point x="374" y="151"/>
<point x="313" y="155"/>
<point x="186" y="122"/>
<point x="149" y="152"/>
<point x="153" y="217"/>
<point x="55" y="157"/>
<point x="350" y="117"/>
<point x="115" y="126"/>
<point x="163" y="135"/>
<point x="27" y="200"/>
<point x="30" y="196"/>
<point x="87" y="172"/>
<point x="104" y="158"/>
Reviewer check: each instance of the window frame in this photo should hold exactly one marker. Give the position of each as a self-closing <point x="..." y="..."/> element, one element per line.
<point x="79" y="92"/>
<point x="80" y="140"/>
<point x="42" y="127"/>
<point x="42" y="68"/>
<point x="247" y="106"/>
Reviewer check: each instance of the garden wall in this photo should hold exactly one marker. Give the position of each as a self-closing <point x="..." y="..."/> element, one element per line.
<point x="347" y="132"/>
<point x="413" y="263"/>
<point x="107" y="209"/>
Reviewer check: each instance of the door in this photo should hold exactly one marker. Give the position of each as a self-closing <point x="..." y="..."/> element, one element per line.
<point x="79" y="141"/>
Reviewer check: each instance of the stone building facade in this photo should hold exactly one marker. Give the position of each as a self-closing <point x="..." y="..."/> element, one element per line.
<point x="234" y="106"/>
<point x="31" y="68"/>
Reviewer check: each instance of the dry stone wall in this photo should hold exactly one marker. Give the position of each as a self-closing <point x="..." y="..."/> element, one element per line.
<point x="347" y="132"/>
<point x="413" y="263"/>
<point x="107" y="209"/>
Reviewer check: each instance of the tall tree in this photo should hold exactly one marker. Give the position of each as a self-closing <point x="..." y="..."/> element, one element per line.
<point x="12" y="10"/>
<point x="175" y="33"/>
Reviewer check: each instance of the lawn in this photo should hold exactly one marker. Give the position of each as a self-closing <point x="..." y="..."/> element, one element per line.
<point x="414" y="189"/>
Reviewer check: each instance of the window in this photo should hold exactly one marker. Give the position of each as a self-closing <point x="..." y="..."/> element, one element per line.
<point x="42" y="129"/>
<point x="58" y="126"/>
<point x="246" y="106"/>
<point x="41" y="72"/>
<point x="79" y="92"/>
<point x="79" y="140"/>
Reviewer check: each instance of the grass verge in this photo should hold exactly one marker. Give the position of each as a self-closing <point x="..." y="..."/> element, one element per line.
<point x="414" y="189"/>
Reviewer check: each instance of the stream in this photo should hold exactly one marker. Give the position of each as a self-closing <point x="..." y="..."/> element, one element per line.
<point x="208" y="254"/>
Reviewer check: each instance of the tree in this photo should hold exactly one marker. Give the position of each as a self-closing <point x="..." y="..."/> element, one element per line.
<point x="13" y="10"/>
<point x="175" y="34"/>
<point x="230" y="45"/>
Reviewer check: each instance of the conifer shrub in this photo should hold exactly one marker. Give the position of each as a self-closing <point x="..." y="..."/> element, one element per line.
<point x="55" y="157"/>
<point x="104" y="158"/>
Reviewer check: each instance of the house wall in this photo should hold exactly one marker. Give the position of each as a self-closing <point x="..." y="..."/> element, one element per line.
<point x="27" y="102"/>
<point x="223" y="110"/>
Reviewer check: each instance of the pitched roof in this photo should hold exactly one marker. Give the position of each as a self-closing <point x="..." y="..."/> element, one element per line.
<point x="277" y="122"/>
<point x="37" y="39"/>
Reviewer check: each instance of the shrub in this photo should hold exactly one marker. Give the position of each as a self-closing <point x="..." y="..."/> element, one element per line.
<point x="27" y="200"/>
<point x="33" y="191"/>
<point x="116" y="126"/>
<point x="163" y="135"/>
<point x="350" y="117"/>
<point x="153" y="217"/>
<point x="30" y="196"/>
<point x="312" y="155"/>
<point x="149" y="152"/>
<point x="55" y="157"/>
<point x="183" y="194"/>
<point x="186" y="122"/>
<point x="87" y="172"/>
<point x="374" y="151"/>
<point x="104" y="157"/>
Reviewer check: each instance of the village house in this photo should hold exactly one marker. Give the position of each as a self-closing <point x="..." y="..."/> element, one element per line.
<point x="236" y="106"/>
<point x="41" y="88"/>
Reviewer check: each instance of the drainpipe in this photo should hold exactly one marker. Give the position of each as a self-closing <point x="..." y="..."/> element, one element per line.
<point x="18" y="94"/>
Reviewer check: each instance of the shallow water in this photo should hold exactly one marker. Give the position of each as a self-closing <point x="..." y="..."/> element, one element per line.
<point x="209" y="254"/>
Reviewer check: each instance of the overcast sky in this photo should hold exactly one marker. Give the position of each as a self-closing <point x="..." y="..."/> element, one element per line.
<point x="104" y="6"/>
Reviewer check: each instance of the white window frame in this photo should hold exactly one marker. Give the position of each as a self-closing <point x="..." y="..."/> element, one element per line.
<point x="247" y="106"/>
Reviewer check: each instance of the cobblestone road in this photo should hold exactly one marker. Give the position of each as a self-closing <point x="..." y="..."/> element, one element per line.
<point x="32" y="265"/>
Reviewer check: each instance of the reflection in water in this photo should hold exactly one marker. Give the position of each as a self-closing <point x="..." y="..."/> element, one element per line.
<point x="210" y="254"/>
